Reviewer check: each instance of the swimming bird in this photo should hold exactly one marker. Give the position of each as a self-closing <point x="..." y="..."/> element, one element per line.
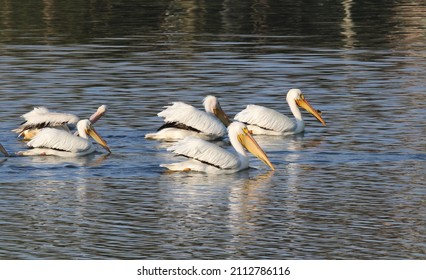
<point x="41" y="117"/>
<point x="262" y="120"/>
<point x="207" y="157"/>
<point x="58" y="142"/>
<point x="182" y="120"/>
<point x="3" y="151"/>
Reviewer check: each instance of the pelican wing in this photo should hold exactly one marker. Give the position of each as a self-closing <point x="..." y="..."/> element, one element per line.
<point x="41" y="117"/>
<point x="205" y="152"/>
<point x="190" y="116"/>
<point x="265" y="118"/>
<point x="58" y="139"/>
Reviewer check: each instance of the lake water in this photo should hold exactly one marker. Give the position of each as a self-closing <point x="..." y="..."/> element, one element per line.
<point x="351" y="190"/>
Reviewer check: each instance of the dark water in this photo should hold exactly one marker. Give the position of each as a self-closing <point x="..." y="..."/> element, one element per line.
<point x="352" y="190"/>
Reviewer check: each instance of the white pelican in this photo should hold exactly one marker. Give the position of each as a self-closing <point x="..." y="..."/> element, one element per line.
<point x="262" y="120"/>
<point x="54" y="141"/>
<point x="183" y="120"/>
<point x="210" y="158"/>
<point x="41" y="117"/>
<point x="3" y="151"/>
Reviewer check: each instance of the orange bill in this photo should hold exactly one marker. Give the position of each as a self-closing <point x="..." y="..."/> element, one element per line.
<point x="98" y="114"/>
<point x="92" y="132"/>
<point x="220" y="114"/>
<point x="305" y="105"/>
<point x="251" y="145"/>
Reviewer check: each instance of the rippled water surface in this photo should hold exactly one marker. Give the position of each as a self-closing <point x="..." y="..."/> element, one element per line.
<point x="351" y="190"/>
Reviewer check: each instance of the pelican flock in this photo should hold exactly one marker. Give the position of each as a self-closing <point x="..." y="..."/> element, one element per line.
<point x="262" y="120"/>
<point x="48" y="133"/>
<point x="210" y="158"/>
<point x="182" y="120"/>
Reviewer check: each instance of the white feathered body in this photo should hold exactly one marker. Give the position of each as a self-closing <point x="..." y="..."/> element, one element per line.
<point x="52" y="141"/>
<point x="262" y="120"/>
<point x="41" y="117"/>
<point x="204" y="157"/>
<point x="198" y="123"/>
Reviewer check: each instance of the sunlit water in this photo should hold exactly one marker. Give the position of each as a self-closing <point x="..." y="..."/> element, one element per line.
<point x="353" y="189"/>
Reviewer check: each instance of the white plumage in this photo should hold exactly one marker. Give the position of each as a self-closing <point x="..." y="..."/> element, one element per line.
<point x="57" y="139"/>
<point x="262" y="120"/>
<point x="266" y="118"/>
<point x="204" y="151"/>
<point x="41" y="117"/>
<point x="53" y="141"/>
<point x="210" y="158"/>
<point x="182" y="120"/>
<point x="192" y="117"/>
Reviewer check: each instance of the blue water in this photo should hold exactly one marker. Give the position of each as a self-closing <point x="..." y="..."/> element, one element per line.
<point x="351" y="190"/>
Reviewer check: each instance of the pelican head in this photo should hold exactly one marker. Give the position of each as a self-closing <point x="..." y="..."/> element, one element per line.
<point x="3" y="151"/>
<point x="85" y="128"/>
<point x="248" y="142"/>
<point x="212" y="105"/>
<point x="299" y="98"/>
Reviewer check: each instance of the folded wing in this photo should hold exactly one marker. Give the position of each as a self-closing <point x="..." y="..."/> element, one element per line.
<point x="58" y="139"/>
<point x="205" y="152"/>
<point x="41" y="117"/>
<point x="190" y="116"/>
<point x="265" y="118"/>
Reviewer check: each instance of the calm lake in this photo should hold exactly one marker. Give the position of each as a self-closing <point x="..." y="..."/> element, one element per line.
<point x="353" y="189"/>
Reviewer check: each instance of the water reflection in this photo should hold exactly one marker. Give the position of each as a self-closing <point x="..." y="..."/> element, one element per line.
<point x="196" y="204"/>
<point x="103" y="19"/>
<point x="247" y="200"/>
<point x="89" y="160"/>
<point x="348" y="25"/>
<point x="353" y="189"/>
